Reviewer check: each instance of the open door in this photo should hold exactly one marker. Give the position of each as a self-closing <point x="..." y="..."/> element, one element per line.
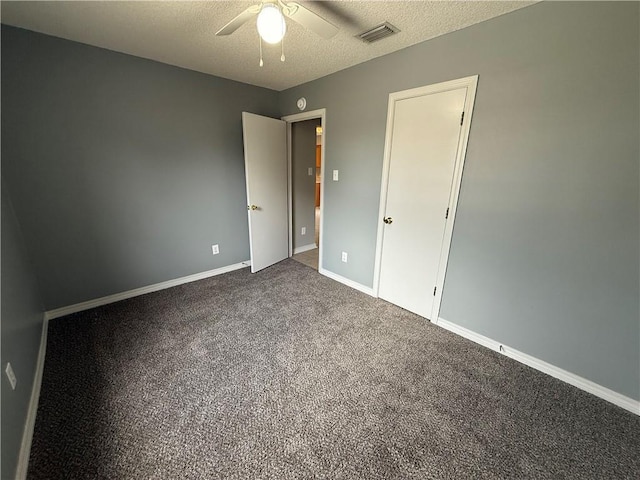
<point x="265" y="161"/>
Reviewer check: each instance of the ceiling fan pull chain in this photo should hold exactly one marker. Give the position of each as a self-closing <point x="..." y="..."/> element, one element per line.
<point x="261" y="62"/>
<point x="282" y="49"/>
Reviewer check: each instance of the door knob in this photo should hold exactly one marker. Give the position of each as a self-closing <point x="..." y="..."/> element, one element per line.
<point x="252" y="207"/>
<point x="388" y="220"/>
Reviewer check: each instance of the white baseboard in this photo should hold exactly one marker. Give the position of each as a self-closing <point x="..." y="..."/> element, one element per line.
<point x="27" y="435"/>
<point x="347" y="282"/>
<point x="79" y="307"/>
<point x="304" y="248"/>
<point x="542" y="366"/>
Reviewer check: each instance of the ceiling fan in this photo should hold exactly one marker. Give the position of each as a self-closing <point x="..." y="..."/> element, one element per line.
<point x="271" y="24"/>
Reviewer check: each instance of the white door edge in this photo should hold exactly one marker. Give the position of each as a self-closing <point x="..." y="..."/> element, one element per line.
<point x="320" y="113"/>
<point x="247" y="174"/>
<point x="470" y="83"/>
<point x="289" y="188"/>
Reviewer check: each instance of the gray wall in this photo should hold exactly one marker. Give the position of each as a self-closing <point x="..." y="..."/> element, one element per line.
<point x="123" y="171"/>
<point x="545" y="246"/>
<point x="21" y="331"/>
<point x="303" y="157"/>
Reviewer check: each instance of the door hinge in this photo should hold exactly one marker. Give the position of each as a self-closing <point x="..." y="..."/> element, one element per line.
<point x="446" y="215"/>
<point x="434" y="290"/>
<point x="462" y="118"/>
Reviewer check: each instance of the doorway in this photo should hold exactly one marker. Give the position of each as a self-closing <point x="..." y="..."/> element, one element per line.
<point x="306" y="147"/>
<point x="306" y="142"/>
<point x="427" y="134"/>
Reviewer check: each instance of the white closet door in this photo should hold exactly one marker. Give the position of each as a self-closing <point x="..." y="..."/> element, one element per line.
<point x="426" y="131"/>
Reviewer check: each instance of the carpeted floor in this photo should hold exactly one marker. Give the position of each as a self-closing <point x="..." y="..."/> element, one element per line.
<point x="286" y="374"/>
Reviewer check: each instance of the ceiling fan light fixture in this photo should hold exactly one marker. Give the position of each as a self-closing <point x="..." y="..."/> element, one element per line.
<point x="271" y="24"/>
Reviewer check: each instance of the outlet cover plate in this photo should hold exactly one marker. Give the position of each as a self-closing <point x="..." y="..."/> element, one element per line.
<point x="215" y="249"/>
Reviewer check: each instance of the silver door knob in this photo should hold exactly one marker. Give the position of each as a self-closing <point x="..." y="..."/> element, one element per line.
<point x="252" y="207"/>
<point x="388" y="220"/>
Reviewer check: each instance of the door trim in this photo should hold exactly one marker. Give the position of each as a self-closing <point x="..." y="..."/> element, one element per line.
<point x="471" y="84"/>
<point x="301" y="117"/>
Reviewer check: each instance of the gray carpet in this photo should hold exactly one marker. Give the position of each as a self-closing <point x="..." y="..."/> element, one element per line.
<point x="286" y="374"/>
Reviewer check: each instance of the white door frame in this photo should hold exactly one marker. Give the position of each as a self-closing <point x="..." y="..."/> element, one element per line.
<point x="471" y="84"/>
<point x="301" y="117"/>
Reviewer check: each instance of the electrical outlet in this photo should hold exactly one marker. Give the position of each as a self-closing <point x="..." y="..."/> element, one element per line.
<point x="310" y="170"/>
<point x="215" y="249"/>
<point x="303" y="231"/>
<point x="11" y="375"/>
<point x="344" y="257"/>
<point x="335" y="175"/>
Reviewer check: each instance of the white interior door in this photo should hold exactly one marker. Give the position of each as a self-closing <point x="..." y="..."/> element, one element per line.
<point x="265" y="161"/>
<point x="424" y="144"/>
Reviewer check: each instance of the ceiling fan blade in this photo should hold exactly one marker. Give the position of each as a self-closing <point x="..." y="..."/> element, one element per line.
<point x="310" y="20"/>
<point x="237" y="22"/>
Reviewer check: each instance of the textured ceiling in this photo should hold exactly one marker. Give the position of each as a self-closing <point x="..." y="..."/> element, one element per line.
<point x="183" y="33"/>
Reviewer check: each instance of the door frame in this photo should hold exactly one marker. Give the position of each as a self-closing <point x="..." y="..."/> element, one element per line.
<point x="301" y="117"/>
<point x="470" y="83"/>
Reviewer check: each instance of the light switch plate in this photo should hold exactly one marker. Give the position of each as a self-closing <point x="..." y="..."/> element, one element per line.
<point x="335" y="175"/>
